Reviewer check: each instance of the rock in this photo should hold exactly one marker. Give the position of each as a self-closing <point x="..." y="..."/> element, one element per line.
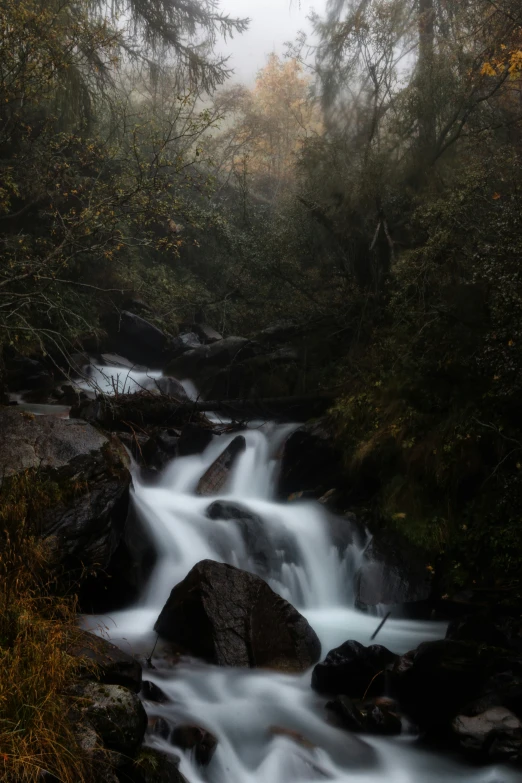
<point x="24" y="374"/>
<point x="105" y="662"/>
<point x="441" y="679"/>
<point x="310" y="461"/>
<point x="181" y="344"/>
<point x="194" y="439"/>
<point x="153" y="766"/>
<point x="392" y="572"/>
<point x="117" y="715"/>
<point x="159" y="449"/>
<point x="267" y="548"/>
<point x="277" y="333"/>
<point x="201" y="364"/>
<point x="215" y="478"/>
<point x="136" y="338"/>
<point x="83" y="478"/>
<point x="196" y="739"/>
<point x="206" y="333"/>
<point x="496" y="733"/>
<point x="365" y="717"/>
<point x="169" y="386"/>
<point x="159" y="726"/>
<point x="232" y="618"/>
<point x="281" y="731"/>
<point x="152" y="692"/>
<point x="349" y="670"/>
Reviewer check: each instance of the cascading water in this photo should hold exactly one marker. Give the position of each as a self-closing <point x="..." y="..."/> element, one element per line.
<point x="294" y="549"/>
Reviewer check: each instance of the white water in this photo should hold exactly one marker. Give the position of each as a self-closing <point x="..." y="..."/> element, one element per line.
<point x="293" y="550"/>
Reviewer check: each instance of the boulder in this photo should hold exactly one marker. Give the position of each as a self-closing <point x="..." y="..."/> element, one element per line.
<point x="25" y="374"/>
<point x="496" y="733"/>
<point x="442" y="679"/>
<point x="159" y="449"/>
<point x="232" y="618"/>
<point x="374" y="717"/>
<point x="105" y="662"/>
<point x="169" y="386"/>
<point x="181" y="344"/>
<point x="215" y="478"/>
<point x="392" y="572"/>
<point x="203" y="363"/>
<point x="136" y="338"/>
<point x="117" y="715"/>
<point x="199" y="741"/>
<point x="206" y="333"/>
<point x="83" y="480"/>
<point x="350" y="669"/>
<point x="310" y="461"/>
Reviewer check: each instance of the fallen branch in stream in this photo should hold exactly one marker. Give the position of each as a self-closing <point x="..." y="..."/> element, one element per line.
<point x="147" y="409"/>
<point x="372" y="637"/>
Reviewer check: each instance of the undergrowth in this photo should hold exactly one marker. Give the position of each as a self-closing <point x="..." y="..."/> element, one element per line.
<point x="36" y="627"/>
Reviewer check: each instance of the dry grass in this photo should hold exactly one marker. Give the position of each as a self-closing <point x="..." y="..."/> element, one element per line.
<point x="36" y="733"/>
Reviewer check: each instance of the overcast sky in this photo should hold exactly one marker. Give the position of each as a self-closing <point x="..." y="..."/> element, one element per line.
<point x="272" y="23"/>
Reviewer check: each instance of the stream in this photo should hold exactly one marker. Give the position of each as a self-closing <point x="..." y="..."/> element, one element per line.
<point x="246" y="709"/>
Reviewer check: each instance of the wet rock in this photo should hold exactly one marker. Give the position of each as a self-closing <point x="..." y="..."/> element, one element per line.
<point x="280" y="731"/>
<point x="159" y="449"/>
<point x="441" y="679"/>
<point x="201" y="364"/>
<point x="349" y="669"/>
<point x="310" y="461"/>
<point x="201" y="742"/>
<point x="170" y="387"/>
<point x="181" y="344"/>
<point x="496" y="733"/>
<point x="105" y="662"/>
<point x="215" y="478"/>
<point x="23" y="373"/>
<point x="84" y="477"/>
<point x="194" y="439"/>
<point x="117" y="715"/>
<point x="153" y="766"/>
<point x="136" y="338"/>
<point x="152" y="692"/>
<point x="267" y="548"/>
<point x="232" y="618"/>
<point x="392" y="572"/>
<point x="365" y="717"/>
<point x="206" y="333"/>
<point x="159" y="727"/>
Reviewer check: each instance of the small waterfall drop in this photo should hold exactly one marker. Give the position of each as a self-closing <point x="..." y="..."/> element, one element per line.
<point x="294" y="549"/>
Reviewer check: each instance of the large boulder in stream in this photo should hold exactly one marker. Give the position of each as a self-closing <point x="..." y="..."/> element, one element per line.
<point x="137" y="339"/>
<point x="229" y="617"/>
<point x="351" y="669"/>
<point x="79" y="479"/>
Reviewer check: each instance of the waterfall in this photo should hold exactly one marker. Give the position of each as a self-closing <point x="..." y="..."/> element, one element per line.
<point x="313" y="569"/>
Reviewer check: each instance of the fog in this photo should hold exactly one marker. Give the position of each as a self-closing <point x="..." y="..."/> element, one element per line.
<point x="273" y="22"/>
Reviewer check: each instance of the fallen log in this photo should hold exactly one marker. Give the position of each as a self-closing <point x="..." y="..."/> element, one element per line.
<point x="130" y="412"/>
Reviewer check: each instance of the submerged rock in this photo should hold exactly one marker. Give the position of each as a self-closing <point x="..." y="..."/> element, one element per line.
<point x="83" y="479"/>
<point x="230" y="617"/>
<point x="215" y="478"/>
<point x="375" y="717"/>
<point x="350" y="669"/>
<point x="196" y="739"/>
